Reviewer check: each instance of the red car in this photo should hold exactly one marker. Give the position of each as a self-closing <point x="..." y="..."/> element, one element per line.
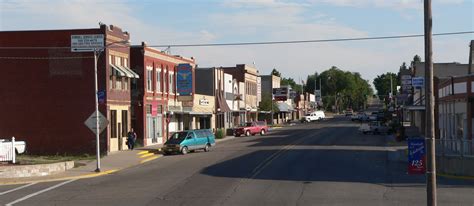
<point x="252" y="128"/>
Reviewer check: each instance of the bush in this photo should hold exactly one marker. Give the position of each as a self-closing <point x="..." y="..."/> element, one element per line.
<point x="220" y="134"/>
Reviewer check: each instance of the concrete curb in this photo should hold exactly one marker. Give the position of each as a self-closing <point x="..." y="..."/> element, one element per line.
<point x="455" y="176"/>
<point x="225" y="139"/>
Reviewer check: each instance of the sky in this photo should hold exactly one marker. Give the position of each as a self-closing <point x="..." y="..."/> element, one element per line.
<point x="164" y="22"/>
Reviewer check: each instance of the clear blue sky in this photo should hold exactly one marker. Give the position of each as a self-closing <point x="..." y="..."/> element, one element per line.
<point x="206" y="21"/>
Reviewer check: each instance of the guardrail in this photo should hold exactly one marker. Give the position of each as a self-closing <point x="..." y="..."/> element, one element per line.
<point x="7" y="151"/>
<point x="455" y="147"/>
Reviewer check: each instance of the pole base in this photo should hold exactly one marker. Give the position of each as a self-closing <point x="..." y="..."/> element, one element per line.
<point x="97" y="170"/>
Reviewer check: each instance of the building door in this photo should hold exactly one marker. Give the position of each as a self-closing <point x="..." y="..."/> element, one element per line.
<point x="154" y="137"/>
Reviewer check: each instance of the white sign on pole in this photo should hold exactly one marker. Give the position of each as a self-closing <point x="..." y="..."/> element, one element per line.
<point x="90" y="122"/>
<point x="87" y="42"/>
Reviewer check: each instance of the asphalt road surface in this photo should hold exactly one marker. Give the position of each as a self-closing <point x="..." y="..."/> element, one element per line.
<point x="322" y="163"/>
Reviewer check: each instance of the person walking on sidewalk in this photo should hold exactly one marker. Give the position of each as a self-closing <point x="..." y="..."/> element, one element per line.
<point x="131" y="138"/>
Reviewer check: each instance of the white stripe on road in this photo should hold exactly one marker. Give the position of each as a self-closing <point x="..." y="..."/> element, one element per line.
<point x="39" y="192"/>
<point x="18" y="188"/>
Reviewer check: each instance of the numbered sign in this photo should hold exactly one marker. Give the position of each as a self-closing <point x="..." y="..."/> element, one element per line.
<point x="416" y="156"/>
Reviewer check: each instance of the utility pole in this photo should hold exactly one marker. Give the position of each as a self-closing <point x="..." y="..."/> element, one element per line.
<point x="430" y="146"/>
<point x="97" y="131"/>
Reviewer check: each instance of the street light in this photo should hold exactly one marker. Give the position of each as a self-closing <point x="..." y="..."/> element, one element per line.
<point x="97" y="52"/>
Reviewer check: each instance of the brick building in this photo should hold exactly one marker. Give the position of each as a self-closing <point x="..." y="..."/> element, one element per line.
<point x="154" y="97"/>
<point x="47" y="91"/>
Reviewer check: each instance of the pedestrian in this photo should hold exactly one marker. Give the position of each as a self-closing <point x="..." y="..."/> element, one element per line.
<point x="131" y="138"/>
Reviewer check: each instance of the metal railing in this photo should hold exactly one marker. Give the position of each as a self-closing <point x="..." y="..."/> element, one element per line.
<point x="455" y="147"/>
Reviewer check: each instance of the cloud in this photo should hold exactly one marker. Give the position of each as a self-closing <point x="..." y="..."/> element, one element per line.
<point x="394" y="4"/>
<point x="235" y="21"/>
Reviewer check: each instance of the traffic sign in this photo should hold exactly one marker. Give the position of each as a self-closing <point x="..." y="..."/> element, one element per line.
<point x="91" y="122"/>
<point x="406" y="77"/>
<point x="87" y="42"/>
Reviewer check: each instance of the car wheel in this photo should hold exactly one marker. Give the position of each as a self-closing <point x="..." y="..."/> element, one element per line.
<point x="166" y="153"/>
<point x="207" y="148"/>
<point x="247" y="133"/>
<point x="184" y="150"/>
<point x="262" y="132"/>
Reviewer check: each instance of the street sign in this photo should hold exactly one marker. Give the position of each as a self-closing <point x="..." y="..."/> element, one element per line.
<point x="418" y="82"/>
<point x="101" y="96"/>
<point x="280" y="94"/>
<point x="416" y="156"/>
<point x="87" y="42"/>
<point x="90" y="122"/>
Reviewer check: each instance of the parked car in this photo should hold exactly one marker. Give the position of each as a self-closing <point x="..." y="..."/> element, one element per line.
<point x="190" y="140"/>
<point x="349" y="112"/>
<point x="361" y="116"/>
<point x="20" y="146"/>
<point x="314" y="116"/>
<point x="251" y="128"/>
<point x="375" y="127"/>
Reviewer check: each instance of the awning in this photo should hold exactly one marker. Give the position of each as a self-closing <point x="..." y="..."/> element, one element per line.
<point x="200" y="113"/>
<point x="130" y="73"/>
<point x="415" y="108"/>
<point x="222" y="104"/>
<point x="284" y="107"/>
<point x="117" y="71"/>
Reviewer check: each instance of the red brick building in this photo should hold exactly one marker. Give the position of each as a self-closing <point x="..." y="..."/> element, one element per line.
<point x="154" y="96"/>
<point x="47" y="91"/>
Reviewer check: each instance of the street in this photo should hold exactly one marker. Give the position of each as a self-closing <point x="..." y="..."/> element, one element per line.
<point x="321" y="163"/>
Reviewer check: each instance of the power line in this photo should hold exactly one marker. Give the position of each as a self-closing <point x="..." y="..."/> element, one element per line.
<point x="272" y="42"/>
<point x="312" y="41"/>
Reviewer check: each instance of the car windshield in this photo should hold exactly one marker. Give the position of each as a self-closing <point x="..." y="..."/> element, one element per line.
<point x="179" y="136"/>
<point x="248" y="124"/>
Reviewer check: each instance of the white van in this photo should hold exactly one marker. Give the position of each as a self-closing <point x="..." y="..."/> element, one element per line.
<point x="314" y="116"/>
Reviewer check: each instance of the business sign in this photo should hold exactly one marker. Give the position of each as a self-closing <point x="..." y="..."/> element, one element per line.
<point x="416" y="156"/>
<point x="280" y="94"/>
<point x="87" y="42"/>
<point x="204" y="102"/>
<point x="317" y="94"/>
<point x="406" y="81"/>
<point x="405" y="77"/>
<point x="418" y="82"/>
<point x="184" y="80"/>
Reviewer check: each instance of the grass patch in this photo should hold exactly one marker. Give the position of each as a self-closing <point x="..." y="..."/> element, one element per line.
<point x="47" y="159"/>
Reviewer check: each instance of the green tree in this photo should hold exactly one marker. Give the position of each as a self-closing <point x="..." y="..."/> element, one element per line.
<point x="291" y="82"/>
<point x="276" y="72"/>
<point x="266" y="105"/>
<point x="382" y="84"/>
<point x="350" y="89"/>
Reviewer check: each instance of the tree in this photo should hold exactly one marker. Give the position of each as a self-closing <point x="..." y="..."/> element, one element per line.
<point x="291" y="82"/>
<point x="382" y="84"/>
<point x="266" y="105"/>
<point x="350" y="89"/>
<point x="276" y="72"/>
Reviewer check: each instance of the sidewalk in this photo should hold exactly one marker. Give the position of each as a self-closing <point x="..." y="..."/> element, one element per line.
<point x="111" y="163"/>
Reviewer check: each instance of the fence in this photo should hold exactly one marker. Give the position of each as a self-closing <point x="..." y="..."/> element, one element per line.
<point x="455" y="147"/>
<point x="7" y="150"/>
